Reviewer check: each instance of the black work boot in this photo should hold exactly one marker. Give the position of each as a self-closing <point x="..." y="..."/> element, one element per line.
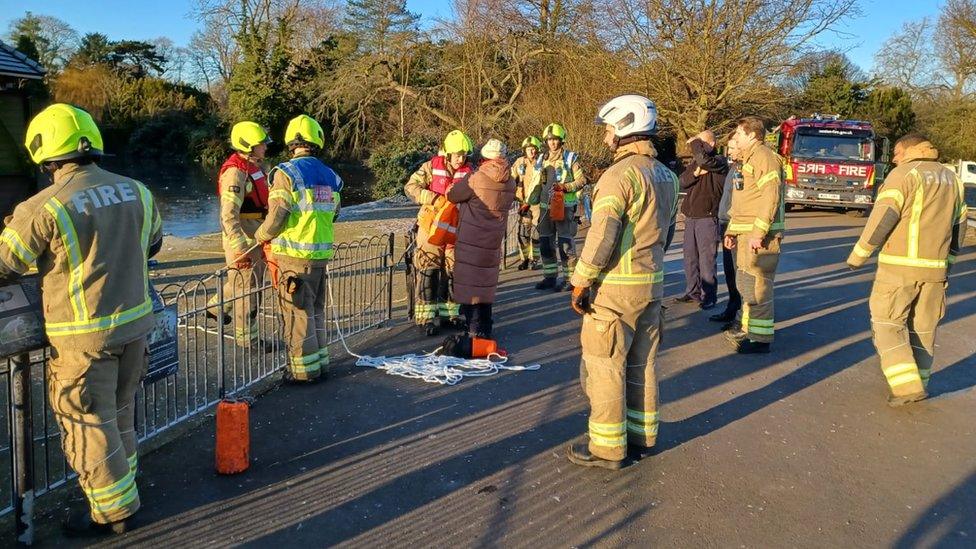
<point x="579" y="453"/>
<point x="637" y="453"/>
<point x="560" y="285"/>
<point x="750" y="347"/>
<point x="547" y="283"/>
<point x="79" y="524"/>
<point x="896" y="401"/>
<point x="523" y="265"/>
<point x="430" y="329"/>
<point x="536" y="265"/>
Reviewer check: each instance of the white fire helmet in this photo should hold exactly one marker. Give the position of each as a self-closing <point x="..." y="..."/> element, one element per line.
<point x="630" y="115"/>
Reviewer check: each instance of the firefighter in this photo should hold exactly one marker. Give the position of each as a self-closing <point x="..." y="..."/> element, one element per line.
<point x="90" y="234"/>
<point x="755" y="231"/>
<point x="243" y="190"/>
<point x="434" y="264"/>
<point x="527" y="181"/>
<point x="303" y="203"/>
<point x="919" y="224"/>
<point x="618" y="284"/>
<point x="559" y="171"/>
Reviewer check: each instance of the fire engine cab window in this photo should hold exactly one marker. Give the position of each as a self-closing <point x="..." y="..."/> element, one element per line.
<point x="834" y="147"/>
<point x="971" y="168"/>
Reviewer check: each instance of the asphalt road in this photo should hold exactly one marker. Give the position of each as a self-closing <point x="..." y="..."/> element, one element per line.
<point x="795" y="448"/>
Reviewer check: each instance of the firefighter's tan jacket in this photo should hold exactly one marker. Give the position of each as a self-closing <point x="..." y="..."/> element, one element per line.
<point x="758" y="209"/>
<point x="918" y="220"/>
<point x="90" y="235"/>
<point x="634" y="207"/>
<point x="527" y="184"/>
<point x="237" y="229"/>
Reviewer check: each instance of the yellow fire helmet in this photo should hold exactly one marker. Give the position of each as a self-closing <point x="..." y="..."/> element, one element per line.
<point x="554" y="130"/>
<point x="62" y="132"/>
<point x="304" y="129"/>
<point x="531" y="141"/>
<point x="458" y="142"/>
<point x="245" y="135"/>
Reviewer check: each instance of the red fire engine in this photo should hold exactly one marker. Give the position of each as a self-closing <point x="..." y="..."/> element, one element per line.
<point x="829" y="161"/>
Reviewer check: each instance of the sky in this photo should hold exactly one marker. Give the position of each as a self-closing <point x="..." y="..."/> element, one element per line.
<point x="148" y="19"/>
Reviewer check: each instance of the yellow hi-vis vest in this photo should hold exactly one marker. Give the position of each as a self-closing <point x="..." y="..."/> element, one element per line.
<point x="313" y="201"/>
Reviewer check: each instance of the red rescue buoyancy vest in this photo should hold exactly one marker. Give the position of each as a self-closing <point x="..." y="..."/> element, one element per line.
<point x="256" y="198"/>
<point x="443" y="180"/>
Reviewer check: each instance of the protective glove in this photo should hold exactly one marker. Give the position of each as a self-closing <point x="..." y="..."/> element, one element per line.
<point x="524" y="209"/>
<point x="581" y="300"/>
<point x="243" y="263"/>
<point x="428" y="197"/>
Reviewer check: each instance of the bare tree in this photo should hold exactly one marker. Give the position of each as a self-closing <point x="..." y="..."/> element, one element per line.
<point x="906" y="59"/>
<point x="955" y="45"/>
<point x="706" y="62"/>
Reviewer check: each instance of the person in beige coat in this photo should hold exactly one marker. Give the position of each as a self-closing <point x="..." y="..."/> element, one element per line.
<point x="483" y="202"/>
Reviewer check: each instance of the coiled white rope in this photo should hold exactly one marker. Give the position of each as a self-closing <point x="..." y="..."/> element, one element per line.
<point x="431" y="367"/>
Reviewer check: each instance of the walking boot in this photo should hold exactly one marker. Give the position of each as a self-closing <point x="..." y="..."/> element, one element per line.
<point x="735" y="334"/>
<point x="523" y="265"/>
<point x="896" y="401"/>
<point x="79" y="524"/>
<point x="750" y="347"/>
<point x="547" y="283"/>
<point x="579" y="453"/>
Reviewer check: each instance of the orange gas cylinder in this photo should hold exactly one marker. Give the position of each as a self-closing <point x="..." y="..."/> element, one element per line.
<point x="557" y="209"/>
<point x="233" y="436"/>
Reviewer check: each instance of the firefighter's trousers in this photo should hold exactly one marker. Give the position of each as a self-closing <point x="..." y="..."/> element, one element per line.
<point x="561" y="236"/>
<point x="620" y="338"/>
<point x="755" y="273"/>
<point x="302" y="291"/>
<point x="241" y="295"/>
<point x="435" y="276"/>
<point x="528" y="239"/>
<point x="92" y="395"/>
<point x="904" y="316"/>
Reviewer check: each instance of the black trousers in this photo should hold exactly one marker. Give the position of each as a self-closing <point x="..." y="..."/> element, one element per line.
<point x="478" y="318"/>
<point x="728" y="266"/>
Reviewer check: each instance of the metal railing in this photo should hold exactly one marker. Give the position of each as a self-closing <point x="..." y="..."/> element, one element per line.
<point x="212" y="362"/>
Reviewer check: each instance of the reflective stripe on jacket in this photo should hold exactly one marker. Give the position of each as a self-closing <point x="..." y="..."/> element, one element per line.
<point x="918" y="219"/>
<point x="635" y="203"/>
<point x="90" y="234"/>
<point x="304" y="199"/>
<point x="759" y="208"/>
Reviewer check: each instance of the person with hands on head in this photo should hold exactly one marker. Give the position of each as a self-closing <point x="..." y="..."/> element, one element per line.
<point x="618" y="284"/>
<point x="755" y="230"/>
<point x="702" y="181"/>
<point x="919" y="223"/>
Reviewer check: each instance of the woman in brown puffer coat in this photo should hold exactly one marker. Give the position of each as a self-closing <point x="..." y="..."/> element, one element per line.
<point x="483" y="202"/>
